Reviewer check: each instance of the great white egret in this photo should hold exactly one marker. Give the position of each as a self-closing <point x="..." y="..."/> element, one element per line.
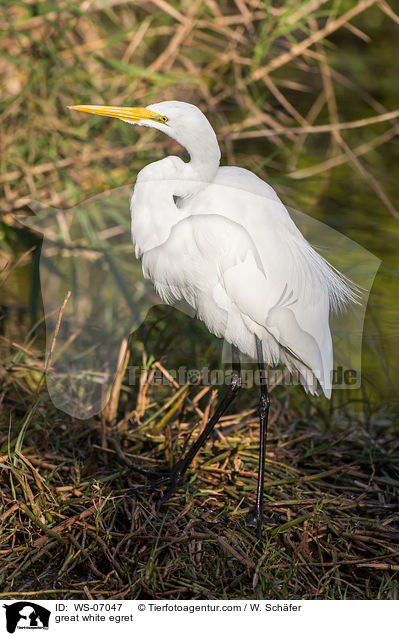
<point x="220" y="238"/>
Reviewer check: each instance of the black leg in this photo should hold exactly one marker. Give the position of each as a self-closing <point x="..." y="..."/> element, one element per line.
<point x="221" y="407"/>
<point x="256" y="516"/>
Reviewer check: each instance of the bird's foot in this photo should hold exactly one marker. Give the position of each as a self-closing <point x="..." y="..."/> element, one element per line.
<point x="254" y="519"/>
<point x="175" y="480"/>
<point x="159" y="480"/>
<point x="152" y="475"/>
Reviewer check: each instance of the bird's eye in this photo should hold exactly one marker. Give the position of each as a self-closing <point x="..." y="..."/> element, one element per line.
<point x="164" y="118"/>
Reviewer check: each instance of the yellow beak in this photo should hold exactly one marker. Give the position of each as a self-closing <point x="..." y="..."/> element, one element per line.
<point x="130" y="114"/>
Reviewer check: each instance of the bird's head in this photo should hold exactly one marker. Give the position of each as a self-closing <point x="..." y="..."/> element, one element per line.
<point x="182" y="121"/>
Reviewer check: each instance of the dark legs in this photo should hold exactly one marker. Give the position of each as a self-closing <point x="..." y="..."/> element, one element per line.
<point x="256" y="514"/>
<point x="223" y="404"/>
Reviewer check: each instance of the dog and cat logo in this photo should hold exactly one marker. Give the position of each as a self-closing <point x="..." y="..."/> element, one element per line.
<point x="26" y="615"/>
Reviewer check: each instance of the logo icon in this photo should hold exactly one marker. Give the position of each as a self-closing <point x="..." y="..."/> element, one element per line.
<point x="26" y="615"/>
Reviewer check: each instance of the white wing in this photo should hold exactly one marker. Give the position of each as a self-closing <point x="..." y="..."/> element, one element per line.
<point x="232" y="251"/>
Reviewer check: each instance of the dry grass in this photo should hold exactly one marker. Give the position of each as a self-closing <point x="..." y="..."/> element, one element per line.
<point x="277" y="80"/>
<point x="70" y="527"/>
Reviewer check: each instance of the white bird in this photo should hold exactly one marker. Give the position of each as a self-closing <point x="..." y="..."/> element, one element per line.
<point x="220" y="238"/>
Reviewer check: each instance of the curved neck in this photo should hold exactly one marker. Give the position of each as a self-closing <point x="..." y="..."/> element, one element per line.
<point x="202" y="146"/>
<point x="204" y="157"/>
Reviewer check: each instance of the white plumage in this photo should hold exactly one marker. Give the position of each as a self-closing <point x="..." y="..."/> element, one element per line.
<point x="220" y="238"/>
